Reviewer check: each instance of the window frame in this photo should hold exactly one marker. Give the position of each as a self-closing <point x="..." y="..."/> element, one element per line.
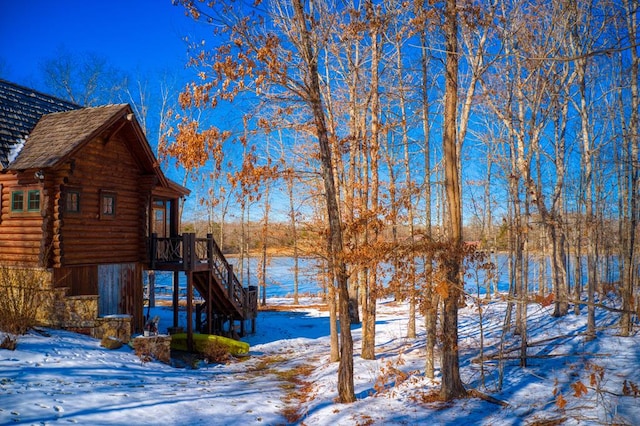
<point x="68" y="193"/>
<point x="14" y="193"/>
<point x="106" y="195"/>
<point x="28" y="199"/>
<point x="28" y="195"/>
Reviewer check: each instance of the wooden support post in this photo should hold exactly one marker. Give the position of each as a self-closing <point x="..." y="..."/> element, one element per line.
<point x="190" y="310"/>
<point x="176" y="296"/>
<point x="153" y="250"/>
<point x="209" y="302"/>
<point x="151" y="275"/>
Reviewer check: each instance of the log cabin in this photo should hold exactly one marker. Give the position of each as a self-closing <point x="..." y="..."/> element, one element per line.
<point x="83" y="198"/>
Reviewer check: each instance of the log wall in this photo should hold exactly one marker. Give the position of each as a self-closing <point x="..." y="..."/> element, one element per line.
<point x="21" y="234"/>
<point x="87" y="237"/>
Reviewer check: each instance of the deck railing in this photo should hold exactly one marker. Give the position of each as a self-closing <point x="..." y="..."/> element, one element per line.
<point x="166" y="250"/>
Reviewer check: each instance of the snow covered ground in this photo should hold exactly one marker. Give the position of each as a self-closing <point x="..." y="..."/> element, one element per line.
<point x="58" y="377"/>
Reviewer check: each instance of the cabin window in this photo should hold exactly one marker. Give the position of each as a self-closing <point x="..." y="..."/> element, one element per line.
<point x="107" y="205"/>
<point x="17" y="201"/>
<point x="25" y="201"/>
<point x="33" y="200"/>
<point x="160" y="220"/>
<point x="72" y="202"/>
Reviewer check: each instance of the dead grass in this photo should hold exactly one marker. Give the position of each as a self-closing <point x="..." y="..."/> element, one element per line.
<point x="20" y="292"/>
<point x="266" y="364"/>
<point x="216" y="353"/>
<point x="286" y="308"/>
<point x="298" y="390"/>
<point x="9" y="342"/>
<point x="292" y="381"/>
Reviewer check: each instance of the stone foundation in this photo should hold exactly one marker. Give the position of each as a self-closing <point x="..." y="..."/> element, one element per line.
<point x="82" y="311"/>
<point x="57" y="310"/>
<point x="149" y="348"/>
<point x="116" y="326"/>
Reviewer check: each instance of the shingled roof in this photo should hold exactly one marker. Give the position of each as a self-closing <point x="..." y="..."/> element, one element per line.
<point x="20" y="110"/>
<point x="59" y="134"/>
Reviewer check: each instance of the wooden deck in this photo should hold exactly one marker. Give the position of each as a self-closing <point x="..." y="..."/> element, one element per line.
<point x="227" y="305"/>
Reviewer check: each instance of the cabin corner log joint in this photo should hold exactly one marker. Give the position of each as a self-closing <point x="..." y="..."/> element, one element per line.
<point x="226" y="305"/>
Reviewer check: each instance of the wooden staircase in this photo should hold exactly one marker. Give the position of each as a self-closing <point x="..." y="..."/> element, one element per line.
<point x="225" y="303"/>
<point x="227" y="306"/>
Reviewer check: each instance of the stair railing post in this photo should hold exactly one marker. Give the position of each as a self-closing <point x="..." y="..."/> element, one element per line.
<point x="230" y="281"/>
<point x="189" y="254"/>
<point x="209" y="302"/>
<point x="210" y="243"/>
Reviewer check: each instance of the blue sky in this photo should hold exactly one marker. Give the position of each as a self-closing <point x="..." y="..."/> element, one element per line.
<point x="135" y="36"/>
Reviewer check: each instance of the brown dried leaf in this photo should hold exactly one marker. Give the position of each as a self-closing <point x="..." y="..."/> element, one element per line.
<point x="442" y="288"/>
<point x="561" y="402"/>
<point x="579" y="389"/>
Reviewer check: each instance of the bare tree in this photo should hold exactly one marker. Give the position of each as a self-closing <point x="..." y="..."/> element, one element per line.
<point x="313" y="98"/>
<point x="452" y="386"/>
<point x="632" y="141"/>
<point x="85" y="79"/>
<point x="430" y="298"/>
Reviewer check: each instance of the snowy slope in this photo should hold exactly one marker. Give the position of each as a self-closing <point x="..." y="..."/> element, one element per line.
<point x="68" y="378"/>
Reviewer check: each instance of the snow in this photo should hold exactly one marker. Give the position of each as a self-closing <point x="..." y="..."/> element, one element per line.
<point x="15" y="150"/>
<point x="58" y="377"/>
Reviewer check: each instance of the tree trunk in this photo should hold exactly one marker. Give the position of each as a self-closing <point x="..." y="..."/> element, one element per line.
<point x="263" y="242"/>
<point x="452" y="386"/>
<point x="334" y="355"/>
<point x="630" y="256"/>
<point x="294" y="237"/>
<point x="558" y="271"/>
<point x="346" y="391"/>
<point x="587" y="170"/>
<point x="369" y="331"/>
<point x="411" y="282"/>
<point x="431" y="299"/>
<point x="350" y="190"/>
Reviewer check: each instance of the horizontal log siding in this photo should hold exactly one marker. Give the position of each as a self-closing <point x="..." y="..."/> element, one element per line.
<point x="21" y="235"/>
<point x="85" y="237"/>
<point x="81" y="280"/>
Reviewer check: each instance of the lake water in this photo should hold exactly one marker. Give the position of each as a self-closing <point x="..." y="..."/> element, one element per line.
<point x="280" y="277"/>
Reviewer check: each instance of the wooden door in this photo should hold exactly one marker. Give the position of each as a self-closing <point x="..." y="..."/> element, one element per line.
<point x="160" y="218"/>
<point x="114" y="280"/>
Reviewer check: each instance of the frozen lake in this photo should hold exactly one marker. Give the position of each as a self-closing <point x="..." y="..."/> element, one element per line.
<point x="280" y="281"/>
<point x="279" y="276"/>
